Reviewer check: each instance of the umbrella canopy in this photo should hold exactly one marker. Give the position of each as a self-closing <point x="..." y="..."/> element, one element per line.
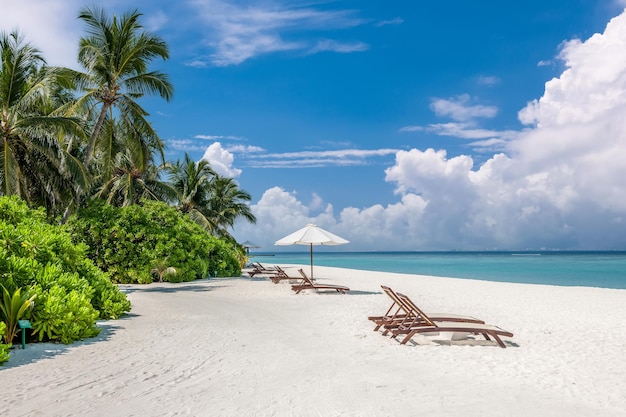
<point x="311" y="235"/>
<point x="247" y="244"/>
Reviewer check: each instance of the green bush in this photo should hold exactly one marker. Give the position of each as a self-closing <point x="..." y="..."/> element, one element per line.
<point x="4" y="348"/>
<point x="71" y="292"/>
<point x="13" y="306"/>
<point x="63" y="314"/>
<point x="128" y="241"/>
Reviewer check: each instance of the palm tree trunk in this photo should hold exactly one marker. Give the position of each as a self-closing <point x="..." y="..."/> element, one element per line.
<point x="94" y="136"/>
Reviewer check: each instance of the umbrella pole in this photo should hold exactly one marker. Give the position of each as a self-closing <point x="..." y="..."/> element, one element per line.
<point x="311" y="249"/>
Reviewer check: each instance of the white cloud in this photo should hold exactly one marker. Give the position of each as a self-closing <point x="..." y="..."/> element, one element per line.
<point x="246" y="149"/>
<point x="316" y="202"/>
<point x="460" y="108"/>
<point x="483" y="139"/>
<point x="394" y="21"/>
<point x="217" y="137"/>
<point x="184" y="145"/>
<point x="221" y="160"/>
<point x="237" y="33"/>
<point x="465" y="126"/>
<point x="308" y="159"/>
<point x="329" y="45"/>
<point x="279" y="213"/>
<point x="488" y="80"/>
<point x="53" y="27"/>
<point x="592" y="84"/>
<point x="49" y="25"/>
<point x="234" y="32"/>
<point x="463" y="131"/>
<point x="559" y="185"/>
<point x="155" y="21"/>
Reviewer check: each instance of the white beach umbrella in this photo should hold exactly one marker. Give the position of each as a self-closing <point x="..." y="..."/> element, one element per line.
<point x="247" y="244"/>
<point x="311" y="235"/>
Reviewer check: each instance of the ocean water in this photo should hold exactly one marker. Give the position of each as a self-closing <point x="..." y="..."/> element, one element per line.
<point x="587" y="269"/>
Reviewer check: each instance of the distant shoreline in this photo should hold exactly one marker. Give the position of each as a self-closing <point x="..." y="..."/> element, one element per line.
<point x="602" y="269"/>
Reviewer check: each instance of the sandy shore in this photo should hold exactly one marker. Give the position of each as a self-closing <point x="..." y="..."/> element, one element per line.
<point x="248" y="347"/>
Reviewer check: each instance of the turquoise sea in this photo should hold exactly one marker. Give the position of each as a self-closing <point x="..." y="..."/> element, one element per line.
<point x="588" y="269"/>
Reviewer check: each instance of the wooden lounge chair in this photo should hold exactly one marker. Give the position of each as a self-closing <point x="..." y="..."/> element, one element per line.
<point x="258" y="269"/>
<point x="280" y="275"/>
<point x="307" y="284"/>
<point x="428" y="325"/>
<point x="401" y="313"/>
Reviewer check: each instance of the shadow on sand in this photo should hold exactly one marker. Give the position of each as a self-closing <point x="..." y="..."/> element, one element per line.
<point x="199" y="285"/>
<point x="35" y="352"/>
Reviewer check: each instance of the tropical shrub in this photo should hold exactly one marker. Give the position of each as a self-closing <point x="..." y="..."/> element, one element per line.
<point x="62" y="313"/>
<point x="4" y="348"/>
<point x="127" y="242"/>
<point x="70" y="292"/>
<point x="12" y="308"/>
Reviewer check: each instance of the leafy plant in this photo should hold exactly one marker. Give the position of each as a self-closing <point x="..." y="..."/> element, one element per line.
<point x="72" y="293"/>
<point x="63" y="315"/>
<point x="4" y="348"/>
<point x="161" y="269"/>
<point x="13" y="306"/>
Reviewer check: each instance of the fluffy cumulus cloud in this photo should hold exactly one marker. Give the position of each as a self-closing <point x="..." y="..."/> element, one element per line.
<point x="561" y="183"/>
<point x="221" y="160"/>
<point x="279" y="213"/>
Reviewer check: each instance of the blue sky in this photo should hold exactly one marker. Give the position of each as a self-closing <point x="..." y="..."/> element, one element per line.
<point x="399" y="125"/>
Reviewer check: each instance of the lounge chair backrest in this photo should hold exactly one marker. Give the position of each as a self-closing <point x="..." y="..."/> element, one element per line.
<point x="396" y="302"/>
<point x="400" y="303"/>
<point x="418" y="312"/>
<point x="306" y="280"/>
<point x="281" y="272"/>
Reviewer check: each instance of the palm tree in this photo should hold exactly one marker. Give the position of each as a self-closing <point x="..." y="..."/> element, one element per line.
<point x="116" y="54"/>
<point x="191" y="181"/>
<point x="227" y="203"/>
<point x="212" y="201"/>
<point x="128" y="173"/>
<point x="132" y="181"/>
<point x="161" y="269"/>
<point x="33" y="164"/>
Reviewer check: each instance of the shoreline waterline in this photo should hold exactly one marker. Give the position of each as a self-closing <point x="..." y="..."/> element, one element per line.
<point x="600" y="269"/>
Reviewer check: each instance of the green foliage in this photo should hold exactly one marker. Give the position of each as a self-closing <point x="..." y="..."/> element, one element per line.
<point x="12" y="308"/>
<point x="126" y="241"/>
<point x="4" y="348"/>
<point x="71" y="292"/>
<point x="212" y="201"/>
<point x="223" y="260"/>
<point x="33" y="164"/>
<point x="63" y="314"/>
<point x="161" y="269"/>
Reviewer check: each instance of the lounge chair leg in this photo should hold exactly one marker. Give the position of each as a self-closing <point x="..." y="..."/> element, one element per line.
<point x="500" y="342"/>
<point x="407" y="338"/>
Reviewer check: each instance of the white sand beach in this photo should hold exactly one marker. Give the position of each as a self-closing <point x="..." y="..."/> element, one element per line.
<point x="248" y="347"/>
